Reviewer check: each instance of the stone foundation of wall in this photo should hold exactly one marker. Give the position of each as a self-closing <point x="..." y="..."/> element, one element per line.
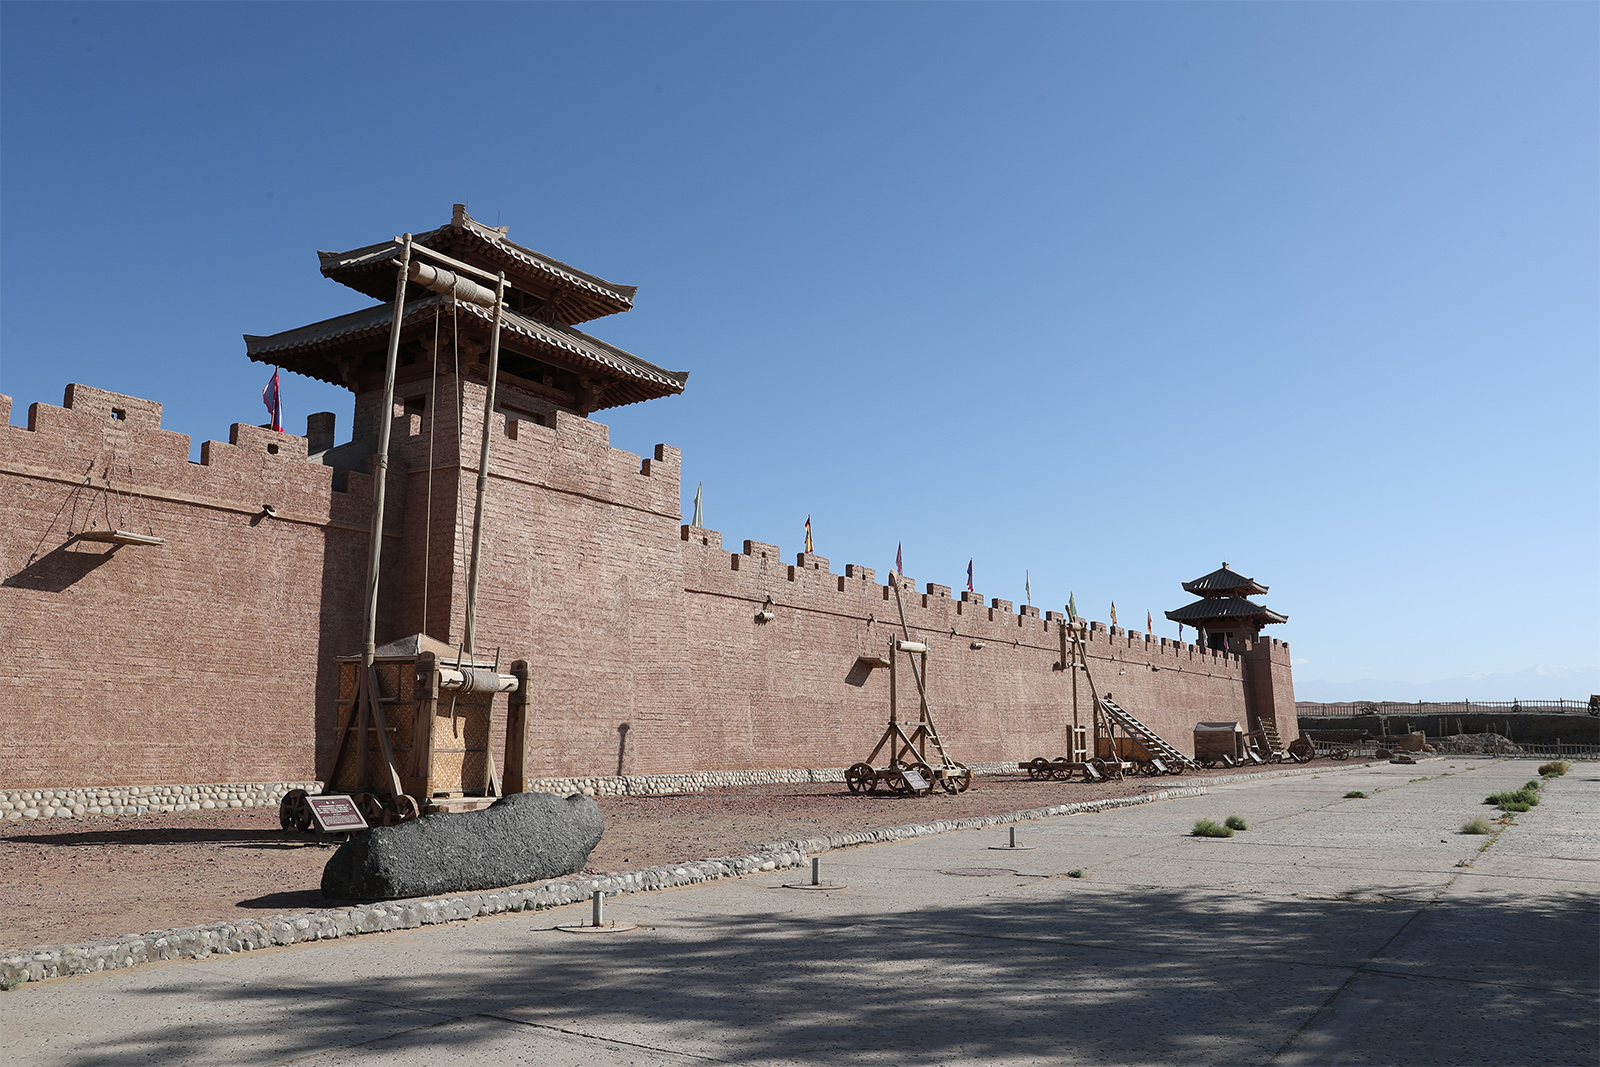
<point x="74" y="802"/>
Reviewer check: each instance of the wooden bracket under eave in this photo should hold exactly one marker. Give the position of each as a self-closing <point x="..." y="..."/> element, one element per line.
<point x="869" y="662"/>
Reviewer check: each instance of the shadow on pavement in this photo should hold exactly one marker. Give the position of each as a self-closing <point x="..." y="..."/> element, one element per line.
<point x="1144" y="976"/>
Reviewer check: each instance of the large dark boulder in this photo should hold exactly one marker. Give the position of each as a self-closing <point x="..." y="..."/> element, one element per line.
<point x="520" y="838"/>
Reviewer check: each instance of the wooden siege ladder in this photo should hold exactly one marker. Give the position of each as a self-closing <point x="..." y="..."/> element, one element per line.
<point x="1152" y="742"/>
<point x="1114" y="715"/>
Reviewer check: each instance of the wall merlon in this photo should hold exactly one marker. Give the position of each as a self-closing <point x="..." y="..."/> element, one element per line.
<point x="940" y="591"/>
<point x="119" y="407"/>
<point x="1002" y="606"/>
<point x="810" y="561"/>
<point x="1029" y="610"/>
<point x="762" y="550"/>
<point x="969" y="597"/>
<point x="856" y="570"/>
<point x="259" y="439"/>
<point x="5" y="410"/>
<point x="701" y="536"/>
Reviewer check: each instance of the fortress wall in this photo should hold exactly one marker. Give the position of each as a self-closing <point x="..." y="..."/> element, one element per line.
<point x="211" y="658"/>
<point x="198" y="660"/>
<point x="790" y="692"/>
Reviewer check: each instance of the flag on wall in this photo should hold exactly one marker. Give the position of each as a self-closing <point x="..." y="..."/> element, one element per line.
<point x="699" y="518"/>
<point x="1027" y="587"/>
<point x="899" y="568"/>
<point x="1113" y="613"/>
<point x="1072" y="606"/>
<point x="969" y="576"/>
<point x="1149" y="623"/>
<point x="1180" y="633"/>
<point x="274" y="402"/>
<point x="809" y="549"/>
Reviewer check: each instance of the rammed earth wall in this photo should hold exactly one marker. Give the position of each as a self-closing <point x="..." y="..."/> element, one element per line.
<point x="210" y="658"/>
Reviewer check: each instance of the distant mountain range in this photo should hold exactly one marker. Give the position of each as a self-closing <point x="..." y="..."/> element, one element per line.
<point x="1534" y="683"/>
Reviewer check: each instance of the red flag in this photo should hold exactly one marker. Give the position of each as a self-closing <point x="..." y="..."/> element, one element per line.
<point x="1149" y="623"/>
<point x="969" y="576"/>
<point x="899" y="568"/>
<point x="274" y="402"/>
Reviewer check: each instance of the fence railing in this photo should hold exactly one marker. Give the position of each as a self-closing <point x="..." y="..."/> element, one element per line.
<point x="1451" y="747"/>
<point x="1351" y="708"/>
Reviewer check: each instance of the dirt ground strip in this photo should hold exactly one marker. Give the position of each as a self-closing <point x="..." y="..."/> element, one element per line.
<point x="64" y="881"/>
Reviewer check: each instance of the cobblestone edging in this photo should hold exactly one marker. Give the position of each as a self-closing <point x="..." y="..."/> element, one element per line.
<point x="224" y="939"/>
<point x="79" y="801"/>
<point x="76" y="802"/>
<point x="644" y="785"/>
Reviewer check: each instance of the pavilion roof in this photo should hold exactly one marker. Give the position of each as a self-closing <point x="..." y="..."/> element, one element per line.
<point x="1212" y="608"/>
<point x="553" y="290"/>
<point x="1223" y="582"/>
<point x="316" y="350"/>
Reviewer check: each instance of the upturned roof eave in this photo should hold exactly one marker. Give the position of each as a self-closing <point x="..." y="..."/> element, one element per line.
<point x="295" y="348"/>
<point x="599" y="295"/>
<point x="1232" y="608"/>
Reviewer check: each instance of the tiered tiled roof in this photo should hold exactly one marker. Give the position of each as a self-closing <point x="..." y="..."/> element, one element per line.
<point x="540" y="348"/>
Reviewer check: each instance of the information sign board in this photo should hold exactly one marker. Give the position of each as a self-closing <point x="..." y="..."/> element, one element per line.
<point x="336" y="814"/>
<point x="914" y="780"/>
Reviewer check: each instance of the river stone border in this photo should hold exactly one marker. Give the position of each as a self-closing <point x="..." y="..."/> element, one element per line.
<point x="79" y="801"/>
<point x="224" y="939"/>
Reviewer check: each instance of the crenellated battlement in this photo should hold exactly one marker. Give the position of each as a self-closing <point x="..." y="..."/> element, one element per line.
<point x="107" y="442"/>
<point x="708" y="568"/>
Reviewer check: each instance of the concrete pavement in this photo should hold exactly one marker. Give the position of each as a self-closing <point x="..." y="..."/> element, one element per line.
<point x="1333" y="931"/>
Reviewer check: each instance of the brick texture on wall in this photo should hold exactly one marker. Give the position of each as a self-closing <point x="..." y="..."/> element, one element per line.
<point x="210" y="658"/>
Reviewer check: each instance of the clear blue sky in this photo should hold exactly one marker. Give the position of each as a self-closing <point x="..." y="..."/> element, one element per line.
<point x="1108" y="293"/>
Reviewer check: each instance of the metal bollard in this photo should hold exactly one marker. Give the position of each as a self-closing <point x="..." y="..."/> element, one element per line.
<point x="1013" y="837"/>
<point x="599" y="908"/>
<point x="816" y="870"/>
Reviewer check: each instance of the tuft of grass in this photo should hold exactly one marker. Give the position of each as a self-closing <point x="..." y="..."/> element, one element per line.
<point x="1355" y="794"/>
<point x="1076" y="872"/>
<point x="1236" y="822"/>
<point x="1477" y="825"/>
<point x="1207" y="828"/>
<point x="1555" y="768"/>
<point x="1523" y="799"/>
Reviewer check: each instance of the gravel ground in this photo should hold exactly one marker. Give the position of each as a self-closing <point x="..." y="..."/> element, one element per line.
<point x="69" y="881"/>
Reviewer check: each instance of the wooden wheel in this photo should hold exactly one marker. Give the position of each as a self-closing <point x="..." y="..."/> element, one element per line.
<point x="896" y="781"/>
<point x="959" y="782"/>
<point x="1178" y="767"/>
<point x="1109" y="769"/>
<point x="370" y="805"/>
<point x="861" y="778"/>
<point x="1037" y="768"/>
<point x="1301" y="750"/>
<point x="294" y="811"/>
<point x="1149" y="769"/>
<point x="1339" y="753"/>
<point x="1061" y="768"/>
<point x="402" y="808"/>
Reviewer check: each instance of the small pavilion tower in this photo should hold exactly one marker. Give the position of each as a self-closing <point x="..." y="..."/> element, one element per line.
<point x="1224" y="611"/>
